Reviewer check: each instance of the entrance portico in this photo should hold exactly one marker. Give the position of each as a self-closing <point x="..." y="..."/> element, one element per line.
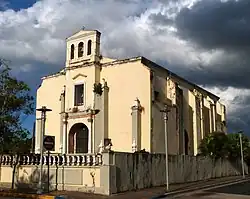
<point x="79" y="139"/>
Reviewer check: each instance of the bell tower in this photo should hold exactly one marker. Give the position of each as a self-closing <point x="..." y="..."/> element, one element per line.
<point x="82" y="47"/>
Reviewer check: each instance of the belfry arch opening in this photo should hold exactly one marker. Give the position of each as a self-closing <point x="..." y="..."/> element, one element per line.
<point x="72" y="51"/>
<point x="89" y="47"/>
<point x="80" y="49"/>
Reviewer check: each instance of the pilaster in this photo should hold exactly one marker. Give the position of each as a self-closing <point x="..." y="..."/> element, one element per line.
<point x="212" y="116"/>
<point x="101" y="119"/>
<point x="108" y="173"/>
<point x="198" y="118"/>
<point x="65" y="135"/>
<point x="136" y="126"/>
<point x="62" y="99"/>
<point x="105" y="110"/>
<point x="90" y="139"/>
<point x="202" y="118"/>
<point x="224" y="118"/>
<point x="200" y="98"/>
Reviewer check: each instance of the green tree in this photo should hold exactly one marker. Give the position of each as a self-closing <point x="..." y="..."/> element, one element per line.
<point x="234" y="151"/>
<point x="15" y="103"/>
<point x="214" y="145"/>
<point x="220" y="145"/>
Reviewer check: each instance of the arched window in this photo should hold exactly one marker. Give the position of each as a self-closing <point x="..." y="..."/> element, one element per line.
<point x="72" y="49"/>
<point x="89" y="47"/>
<point x="80" y="49"/>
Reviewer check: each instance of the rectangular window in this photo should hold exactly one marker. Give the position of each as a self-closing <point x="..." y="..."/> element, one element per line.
<point x="79" y="92"/>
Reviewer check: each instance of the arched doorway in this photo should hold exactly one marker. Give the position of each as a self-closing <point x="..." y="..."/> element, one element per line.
<point x="78" y="138"/>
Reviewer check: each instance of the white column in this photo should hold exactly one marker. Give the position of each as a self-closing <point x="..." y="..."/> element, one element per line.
<point x="62" y="117"/>
<point x="202" y="120"/>
<point x="75" y="142"/>
<point x="65" y="136"/>
<point x="214" y="117"/>
<point x="136" y="126"/>
<point x="91" y="132"/>
<point x="211" y="119"/>
<point x="90" y="141"/>
<point x="93" y="135"/>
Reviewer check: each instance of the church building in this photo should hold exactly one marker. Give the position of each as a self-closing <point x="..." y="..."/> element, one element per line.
<point x="100" y="102"/>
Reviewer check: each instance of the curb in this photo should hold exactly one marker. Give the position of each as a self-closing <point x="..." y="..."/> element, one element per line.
<point x="51" y="197"/>
<point x="31" y="196"/>
<point x="17" y="195"/>
<point x="171" y="193"/>
<point x="226" y="184"/>
<point x="206" y="187"/>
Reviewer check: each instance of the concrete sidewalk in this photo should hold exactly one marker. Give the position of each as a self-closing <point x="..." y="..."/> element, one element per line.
<point x="156" y="192"/>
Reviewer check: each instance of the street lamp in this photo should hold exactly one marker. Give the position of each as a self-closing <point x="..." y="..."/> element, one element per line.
<point x="165" y="112"/>
<point x="242" y="155"/>
<point x="43" y="111"/>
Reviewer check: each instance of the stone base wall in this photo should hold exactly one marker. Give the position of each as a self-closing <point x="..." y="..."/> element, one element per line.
<point x="138" y="171"/>
<point x="61" y="178"/>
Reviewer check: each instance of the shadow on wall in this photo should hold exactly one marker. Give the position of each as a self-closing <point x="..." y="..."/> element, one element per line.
<point x="237" y="165"/>
<point x="29" y="183"/>
<point x="142" y="170"/>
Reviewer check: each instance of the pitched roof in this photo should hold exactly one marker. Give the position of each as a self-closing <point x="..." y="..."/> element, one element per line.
<point x="82" y="33"/>
<point x="151" y="64"/>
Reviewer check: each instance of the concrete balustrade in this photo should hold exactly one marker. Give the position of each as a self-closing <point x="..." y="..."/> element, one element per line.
<point x="54" y="159"/>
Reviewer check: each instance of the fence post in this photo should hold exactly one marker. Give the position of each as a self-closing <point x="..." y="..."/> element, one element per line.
<point x="108" y="173"/>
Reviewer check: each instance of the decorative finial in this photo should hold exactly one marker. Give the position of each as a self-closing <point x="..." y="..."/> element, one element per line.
<point x="134" y="145"/>
<point x="104" y="82"/>
<point x="137" y="102"/>
<point x="101" y="147"/>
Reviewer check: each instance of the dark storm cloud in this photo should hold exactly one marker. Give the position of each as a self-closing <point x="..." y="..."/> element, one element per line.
<point x="216" y="24"/>
<point x="237" y="77"/>
<point x="33" y="76"/>
<point x="225" y="72"/>
<point x="240" y="120"/>
<point x="209" y="25"/>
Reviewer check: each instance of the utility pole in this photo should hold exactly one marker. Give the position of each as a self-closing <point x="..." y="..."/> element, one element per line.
<point x="43" y="111"/>
<point x="165" y="117"/>
<point x="242" y="156"/>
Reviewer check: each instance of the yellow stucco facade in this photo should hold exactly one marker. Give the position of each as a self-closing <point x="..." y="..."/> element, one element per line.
<point x="97" y="102"/>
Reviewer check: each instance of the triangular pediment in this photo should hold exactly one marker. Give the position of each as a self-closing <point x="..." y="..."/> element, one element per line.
<point x="79" y="75"/>
<point x="82" y="33"/>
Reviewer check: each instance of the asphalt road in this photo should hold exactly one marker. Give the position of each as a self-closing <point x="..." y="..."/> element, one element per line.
<point x="236" y="191"/>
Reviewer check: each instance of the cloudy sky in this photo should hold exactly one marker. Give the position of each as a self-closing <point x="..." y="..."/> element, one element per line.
<point x="205" y="41"/>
